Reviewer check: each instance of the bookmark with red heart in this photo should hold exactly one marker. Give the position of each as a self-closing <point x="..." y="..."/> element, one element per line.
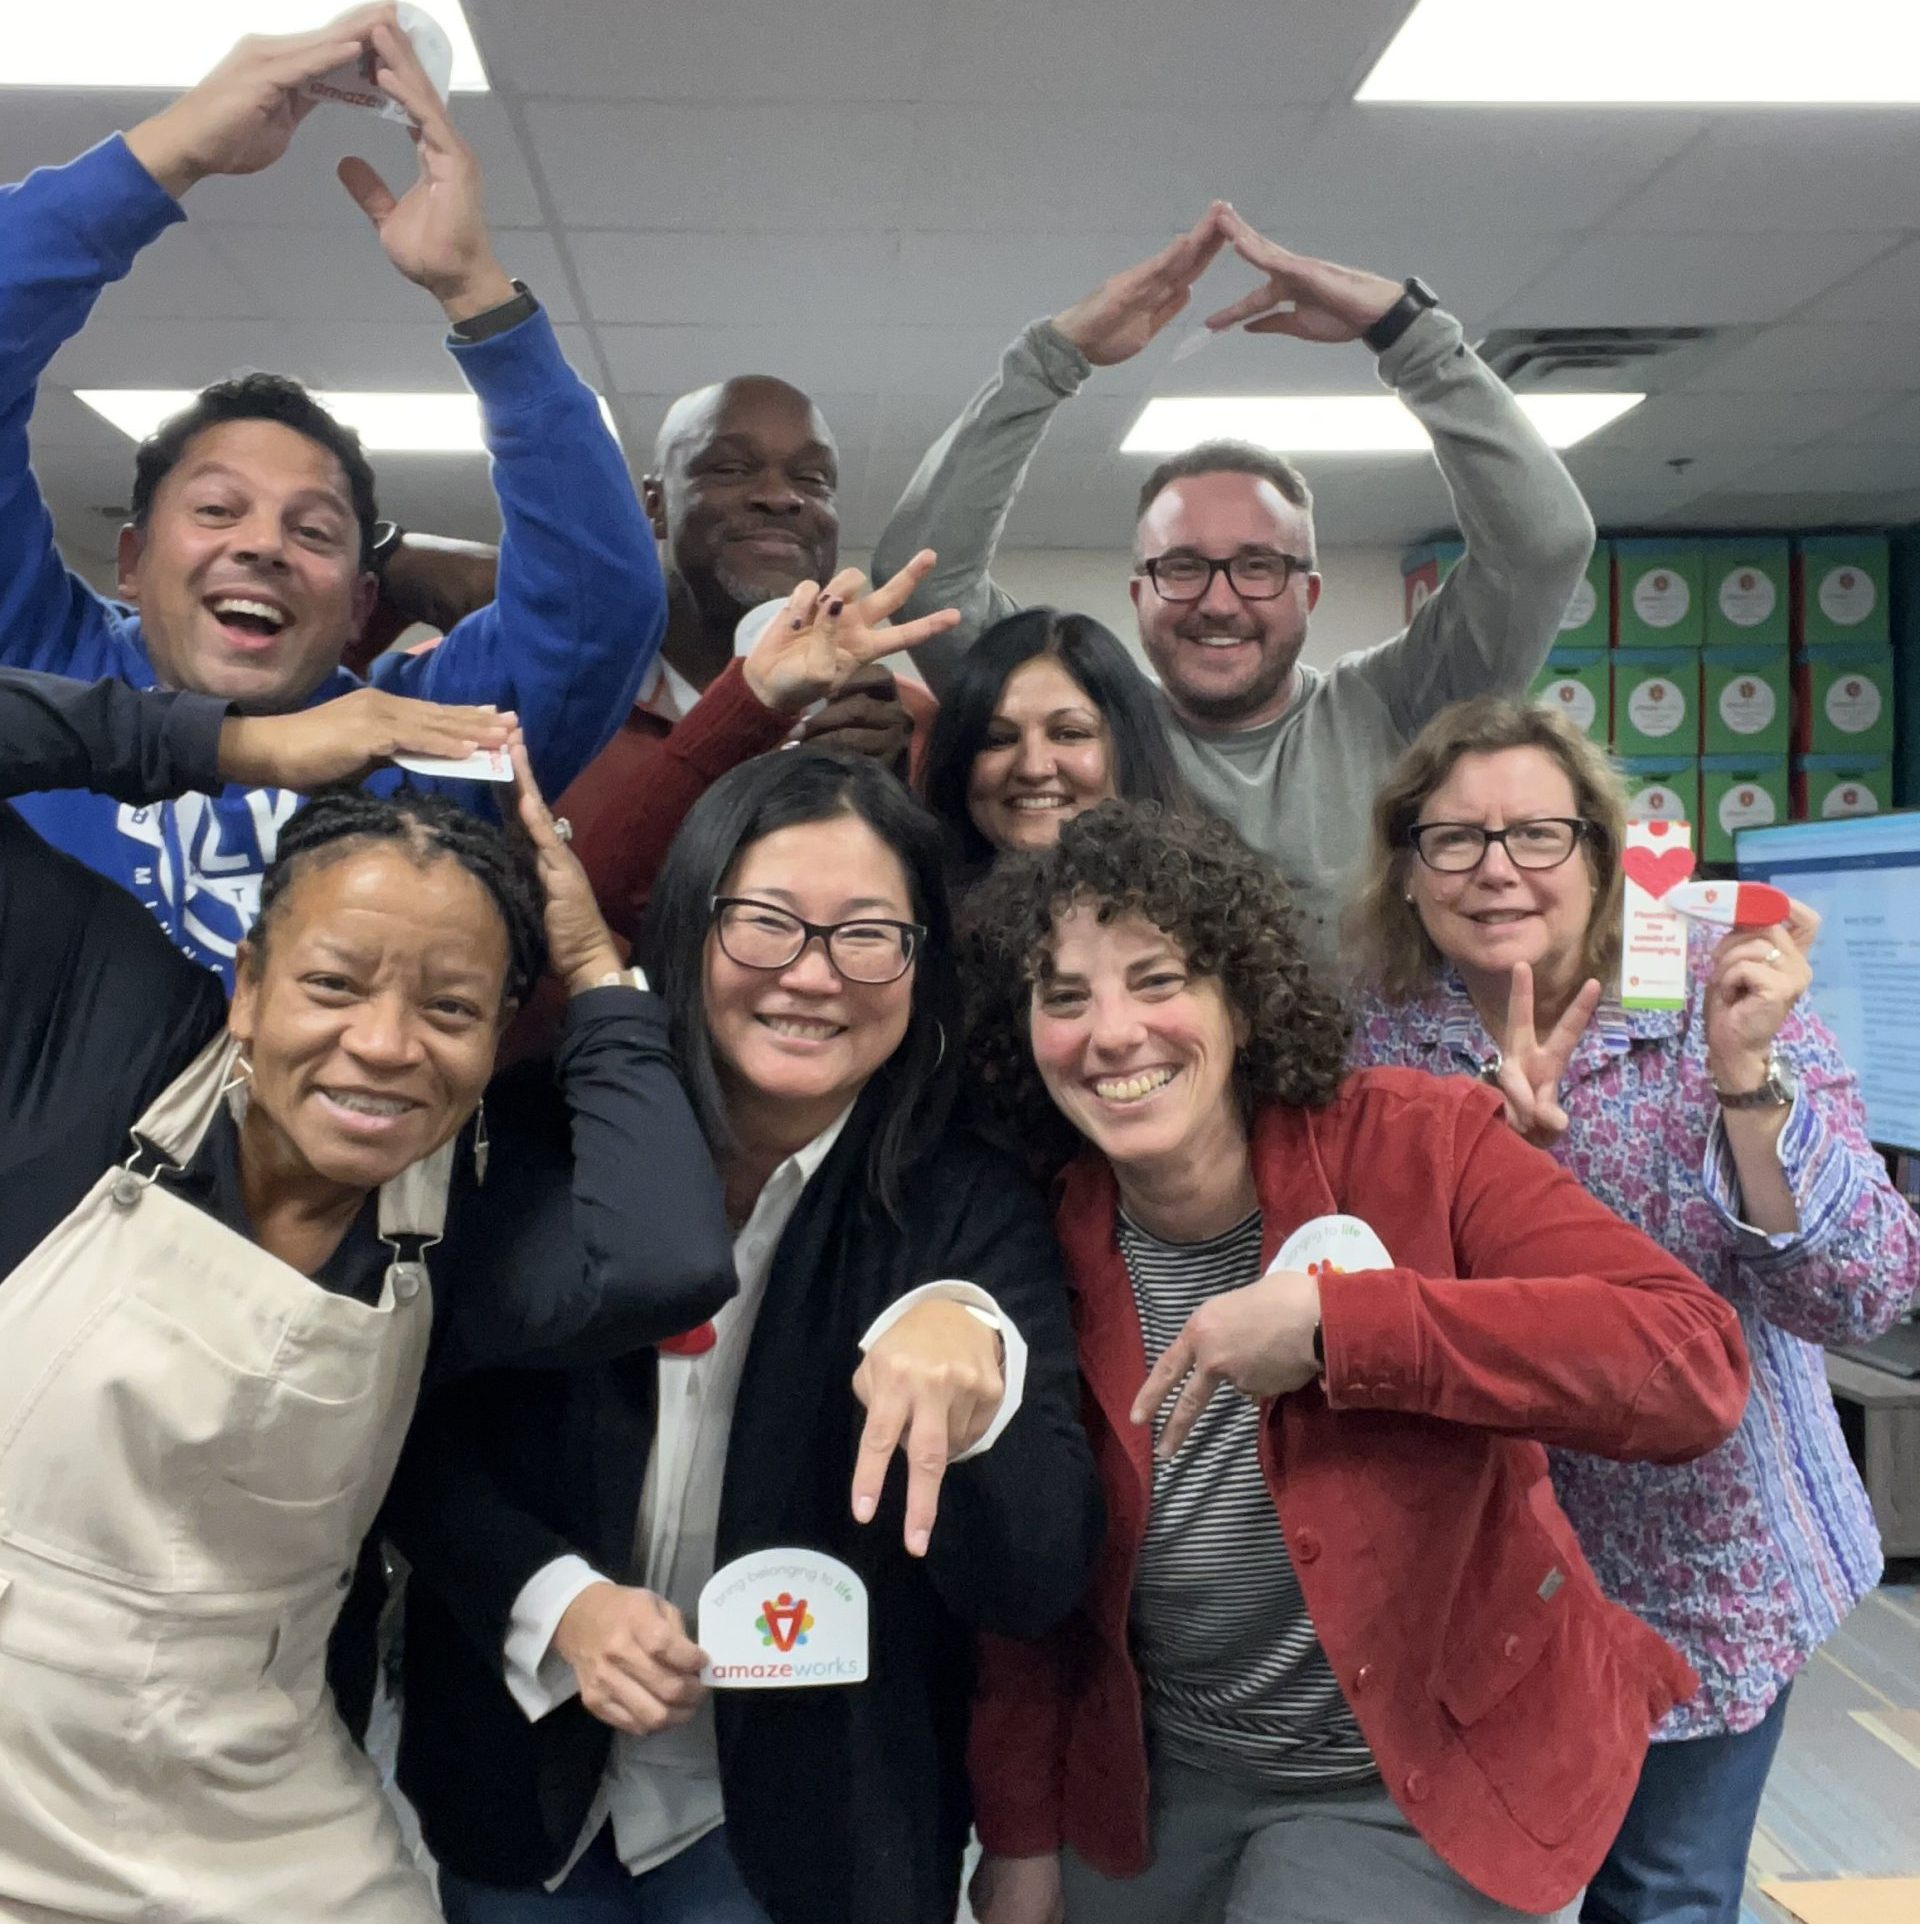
<point x="1657" y="870"/>
<point x="1731" y="905"/>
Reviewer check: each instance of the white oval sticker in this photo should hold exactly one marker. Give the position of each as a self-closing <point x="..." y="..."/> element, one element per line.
<point x="1661" y="598"/>
<point x="1573" y="699"/>
<point x="1580" y="608"/>
<point x="1746" y="805"/>
<point x="1847" y="596"/>
<point x="1747" y="597"/>
<point x="1657" y="707"/>
<point x="1656" y="803"/>
<point x="1853" y="703"/>
<point x="1851" y="798"/>
<point x="1332" y="1242"/>
<point x="1748" y="705"/>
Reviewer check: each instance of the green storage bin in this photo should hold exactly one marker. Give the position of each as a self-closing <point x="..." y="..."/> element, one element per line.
<point x="1736" y="792"/>
<point x="1840" y="591"/>
<point x="1577" y="683"/>
<point x="1846" y="697"/>
<point x="1662" y="790"/>
<point x="1658" y="594"/>
<point x="1588" y="622"/>
<point x="1827" y="786"/>
<point x="1746" y="701"/>
<point x="1749" y="594"/>
<point x="1656" y="701"/>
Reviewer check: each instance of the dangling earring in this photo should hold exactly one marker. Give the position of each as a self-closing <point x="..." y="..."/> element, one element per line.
<point x="236" y="1087"/>
<point x="480" y="1143"/>
<point x="940" y="1029"/>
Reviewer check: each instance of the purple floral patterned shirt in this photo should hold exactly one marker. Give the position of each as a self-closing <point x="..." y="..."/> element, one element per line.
<point x="1747" y="1558"/>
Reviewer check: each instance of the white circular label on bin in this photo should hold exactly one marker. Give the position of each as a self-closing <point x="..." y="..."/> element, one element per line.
<point x="1746" y="805"/>
<point x="1847" y="596"/>
<point x="1850" y="798"/>
<point x="1573" y="699"/>
<point x="1657" y="707"/>
<point x="1580" y="608"/>
<point x="1661" y="599"/>
<point x="1853" y="703"/>
<point x="1656" y="803"/>
<point x="1748" y="705"/>
<point x="1747" y="597"/>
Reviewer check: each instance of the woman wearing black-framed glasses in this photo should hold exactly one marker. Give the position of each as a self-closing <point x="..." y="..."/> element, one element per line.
<point x="898" y="1281"/>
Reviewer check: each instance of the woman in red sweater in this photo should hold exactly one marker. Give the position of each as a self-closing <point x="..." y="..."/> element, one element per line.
<point x="1342" y="1661"/>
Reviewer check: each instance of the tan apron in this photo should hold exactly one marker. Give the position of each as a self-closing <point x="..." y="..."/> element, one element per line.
<point x="194" y="1440"/>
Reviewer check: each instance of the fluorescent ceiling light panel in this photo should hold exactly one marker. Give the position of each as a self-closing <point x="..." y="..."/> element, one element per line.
<point x="1342" y="423"/>
<point x="1654" y="53"/>
<point x="386" y="423"/>
<point x="172" y="43"/>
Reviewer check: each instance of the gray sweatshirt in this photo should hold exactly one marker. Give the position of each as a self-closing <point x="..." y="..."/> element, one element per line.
<point x="1300" y="787"/>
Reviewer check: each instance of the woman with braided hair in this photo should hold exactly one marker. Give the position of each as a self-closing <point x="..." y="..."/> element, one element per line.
<point x="233" y="1240"/>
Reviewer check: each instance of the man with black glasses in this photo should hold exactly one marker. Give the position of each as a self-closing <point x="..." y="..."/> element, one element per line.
<point x="1224" y="575"/>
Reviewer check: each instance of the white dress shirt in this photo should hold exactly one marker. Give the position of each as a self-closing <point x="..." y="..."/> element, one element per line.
<point x="663" y="1791"/>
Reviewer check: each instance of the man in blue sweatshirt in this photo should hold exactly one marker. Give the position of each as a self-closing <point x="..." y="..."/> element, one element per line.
<point x="244" y="572"/>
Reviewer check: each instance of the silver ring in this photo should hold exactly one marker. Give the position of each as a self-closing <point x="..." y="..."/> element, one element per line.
<point x="563" y="829"/>
<point x="1772" y="955"/>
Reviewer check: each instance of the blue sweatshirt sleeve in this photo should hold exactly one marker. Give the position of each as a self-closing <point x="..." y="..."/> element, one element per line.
<point x="580" y="608"/>
<point x="65" y="233"/>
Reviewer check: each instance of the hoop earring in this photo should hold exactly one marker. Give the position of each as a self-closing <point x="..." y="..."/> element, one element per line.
<point x="940" y="1029"/>
<point x="481" y="1145"/>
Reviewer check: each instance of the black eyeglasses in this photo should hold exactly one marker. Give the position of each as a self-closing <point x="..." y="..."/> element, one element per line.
<point x="1261" y="574"/>
<point x="759" y="936"/>
<point x="1457" y="848"/>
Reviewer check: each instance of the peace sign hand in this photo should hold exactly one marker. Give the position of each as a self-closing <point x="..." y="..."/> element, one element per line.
<point x="1531" y="1070"/>
<point x="824" y="635"/>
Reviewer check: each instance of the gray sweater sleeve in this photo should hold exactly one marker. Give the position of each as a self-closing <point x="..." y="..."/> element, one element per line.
<point x="1528" y="535"/>
<point x="960" y="496"/>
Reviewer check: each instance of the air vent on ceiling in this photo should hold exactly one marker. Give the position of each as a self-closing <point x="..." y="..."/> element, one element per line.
<point x="1542" y="357"/>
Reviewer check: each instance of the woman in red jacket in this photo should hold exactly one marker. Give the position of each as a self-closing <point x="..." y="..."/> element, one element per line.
<point x="1342" y="1661"/>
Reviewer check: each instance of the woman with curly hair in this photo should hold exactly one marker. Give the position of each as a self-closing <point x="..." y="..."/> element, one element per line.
<point x="1730" y="1129"/>
<point x="1342" y="1658"/>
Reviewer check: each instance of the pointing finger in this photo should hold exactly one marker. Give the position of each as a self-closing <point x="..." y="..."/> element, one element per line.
<point x="926" y="1465"/>
<point x="1161" y="1379"/>
<point x="885" y="1420"/>
<point x="1202" y="1387"/>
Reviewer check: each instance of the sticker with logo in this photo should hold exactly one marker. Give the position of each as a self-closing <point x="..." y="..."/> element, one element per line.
<point x="1661" y="598"/>
<point x="1850" y="798"/>
<point x="1847" y="596"/>
<point x="1657" y="707"/>
<point x="783" y="1620"/>
<point x="1747" y="805"/>
<point x="1853" y="703"/>
<point x="1580" y="608"/>
<point x="1748" y="705"/>
<point x="1574" y="699"/>
<point x="1656" y="803"/>
<point x="1332" y="1246"/>
<point x="1747" y="597"/>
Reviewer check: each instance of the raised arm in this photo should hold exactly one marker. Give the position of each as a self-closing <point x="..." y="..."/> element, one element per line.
<point x="579" y="607"/>
<point x="1528" y="533"/>
<point x="961" y="494"/>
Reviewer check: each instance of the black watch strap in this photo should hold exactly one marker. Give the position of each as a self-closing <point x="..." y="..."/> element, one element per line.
<point x="496" y="320"/>
<point x="387" y="536"/>
<point x="1415" y="298"/>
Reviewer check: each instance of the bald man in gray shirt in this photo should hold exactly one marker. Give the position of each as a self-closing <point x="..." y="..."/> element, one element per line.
<point x="1225" y="574"/>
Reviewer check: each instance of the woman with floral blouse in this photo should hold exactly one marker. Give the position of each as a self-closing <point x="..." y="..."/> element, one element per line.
<point x="1729" y="1130"/>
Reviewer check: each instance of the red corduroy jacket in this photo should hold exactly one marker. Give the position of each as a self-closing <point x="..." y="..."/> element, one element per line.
<point x="1506" y="1701"/>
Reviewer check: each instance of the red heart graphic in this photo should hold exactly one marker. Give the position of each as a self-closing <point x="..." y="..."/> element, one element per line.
<point x="1657" y="870"/>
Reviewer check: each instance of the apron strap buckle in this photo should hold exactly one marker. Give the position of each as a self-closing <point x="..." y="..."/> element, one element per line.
<point x="407" y="1273"/>
<point x="133" y="1180"/>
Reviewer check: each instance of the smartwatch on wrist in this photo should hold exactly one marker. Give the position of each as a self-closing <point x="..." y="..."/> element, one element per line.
<point x="1415" y="298"/>
<point x="387" y="536"/>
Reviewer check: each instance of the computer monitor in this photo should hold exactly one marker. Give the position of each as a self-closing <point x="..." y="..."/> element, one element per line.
<point x="1863" y="875"/>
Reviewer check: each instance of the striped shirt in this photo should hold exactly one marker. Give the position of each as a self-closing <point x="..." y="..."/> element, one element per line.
<point x="1234" y="1678"/>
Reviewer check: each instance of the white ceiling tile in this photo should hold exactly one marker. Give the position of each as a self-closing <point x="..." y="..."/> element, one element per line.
<point x="1005" y="279"/>
<point x="110" y="353"/>
<point x="1786" y="507"/>
<point x="820" y="358"/>
<point x="1242" y="54"/>
<point x="1888" y="290"/>
<point x="1848" y="467"/>
<point x="1001" y="168"/>
<point x="754" y="169"/>
<point x="1533" y="171"/>
<point x="1836" y="358"/>
<point x="1671" y="426"/>
<point x="180" y="277"/>
<point x="716" y="50"/>
<point x="737" y="279"/>
<point x="1686" y="280"/>
<point x="1769" y="173"/>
